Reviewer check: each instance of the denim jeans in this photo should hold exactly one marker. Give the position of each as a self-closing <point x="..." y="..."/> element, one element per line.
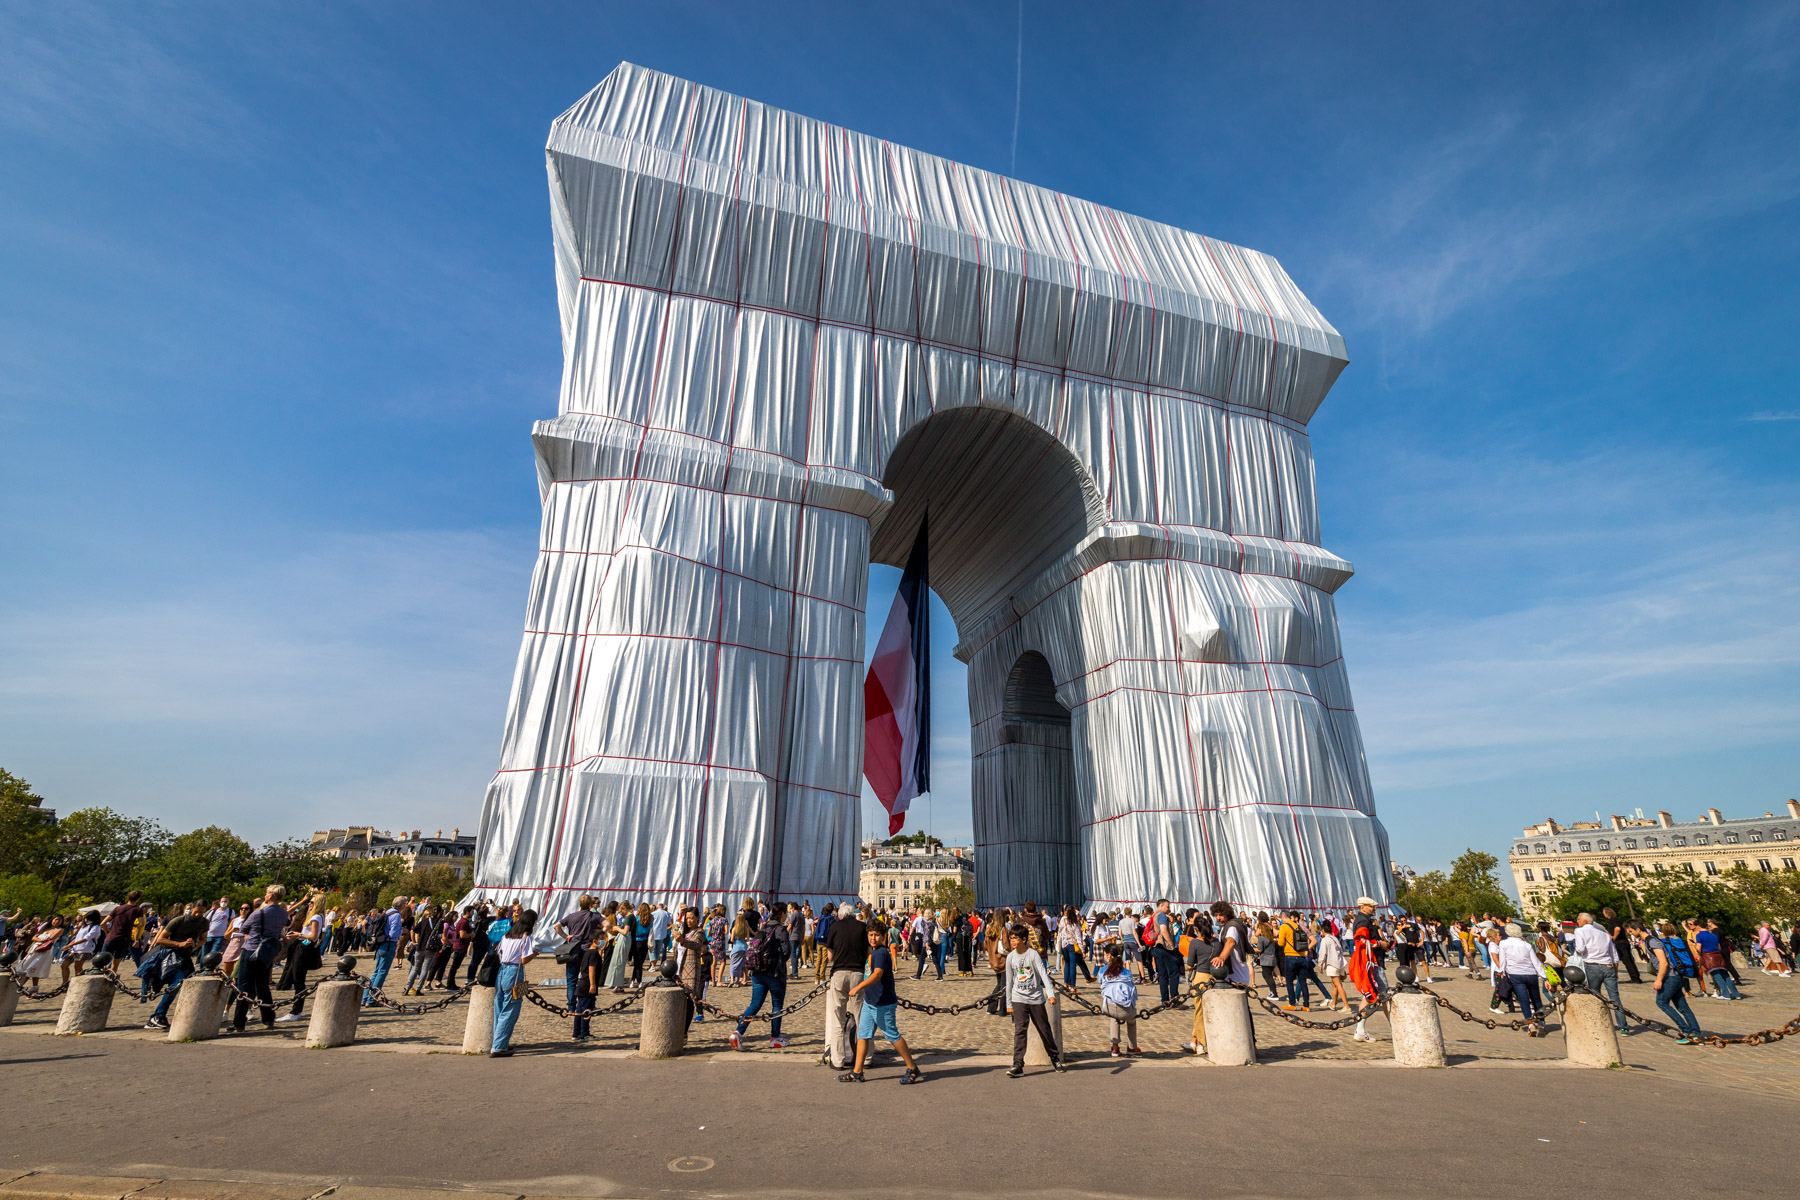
<point x="1605" y="975"/>
<point x="794" y="958"/>
<point x="1168" y="973"/>
<point x="168" y="996"/>
<point x="571" y="974"/>
<point x="659" y="950"/>
<point x="384" y="961"/>
<point x="1298" y="969"/>
<point x="1071" y="957"/>
<point x="506" y="1005"/>
<point x="938" y="951"/>
<point x="1525" y="991"/>
<point x="212" y="946"/>
<point x="582" y="1006"/>
<point x="1670" y="998"/>
<point x="1722" y="980"/>
<point x="253" y="984"/>
<point x="772" y="985"/>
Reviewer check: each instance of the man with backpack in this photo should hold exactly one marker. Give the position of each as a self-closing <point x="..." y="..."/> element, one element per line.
<point x="1166" y="950"/>
<point x="1296" y="962"/>
<point x="384" y="934"/>
<point x="766" y="958"/>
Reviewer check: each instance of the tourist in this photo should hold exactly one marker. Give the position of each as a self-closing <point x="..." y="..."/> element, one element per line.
<point x="1364" y="972"/>
<point x="1715" y="960"/>
<point x="1128" y="940"/>
<point x="579" y="928"/>
<point x="218" y="928"/>
<point x="456" y="947"/>
<point x="516" y="950"/>
<point x="83" y="945"/>
<point x="263" y="932"/>
<point x="304" y="940"/>
<point x="1621" y="940"/>
<point x="1668" y="981"/>
<point x="996" y="957"/>
<point x="879" y="1008"/>
<point x="765" y="958"/>
<point x="385" y="931"/>
<point x="1165" y="950"/>
<point x="847" y="943"/>
<point x="1029" y="990"/>
<point x="1599" y="962"/>
<point x="181" y="935"/>
<point x="795" y="920"/>
<point x="1068" y="945"/>
<point x="1773" y="961"/>
<point x="1331" y="958"/>
<point x="36" y="964"/>
<point x="661" y="921"/>
<point x="1118" y="1000"/>
<point x="1295" y="944"/>
<point x="1516" y="960"/>
<point x="121" y="929"/>
<point x="587" y="981"/>
<point x="1268" y="954"/>
<point x="809" y="938"/>
<point x="234" y="937"/>
<point x="617" y="950"/>
<point x="693" y="959"/>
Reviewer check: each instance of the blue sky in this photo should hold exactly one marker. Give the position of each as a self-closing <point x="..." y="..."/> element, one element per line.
<point x="277" y="309"/>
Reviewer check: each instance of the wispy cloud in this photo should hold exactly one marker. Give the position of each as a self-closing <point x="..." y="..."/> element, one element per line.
<point x="1785" y="414"/>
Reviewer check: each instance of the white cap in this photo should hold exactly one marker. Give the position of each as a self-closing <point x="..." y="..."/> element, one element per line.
<point x="1362" y="900"/>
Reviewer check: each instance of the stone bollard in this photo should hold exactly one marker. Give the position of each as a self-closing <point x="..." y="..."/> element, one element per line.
<point x="1035" y="1054"/>
<point x="86" y="1006"/>
<point x="1589" y="1032"/>
<point x="478" y="1027"/>
<point x="1418" y="1035"/>
<point x="664" y="1031"/>
<point x="1230" y="1038"/>
<point x="9" y="997"/>
<point x="198" y="1010"/>
<point x="336" y="1007"/>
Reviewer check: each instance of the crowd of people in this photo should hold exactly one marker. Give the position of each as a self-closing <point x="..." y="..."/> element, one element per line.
<point x="857" y="953"/>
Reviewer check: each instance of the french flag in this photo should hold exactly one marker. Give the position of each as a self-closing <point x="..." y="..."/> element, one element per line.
<point x="897" y="696"/>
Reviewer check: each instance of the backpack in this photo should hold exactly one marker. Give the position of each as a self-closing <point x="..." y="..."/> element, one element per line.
<point x="1301" y="941"/>
<point x="1683" y="961"/>
<point x="764" y="956"/>
<point x="377" y="930"/>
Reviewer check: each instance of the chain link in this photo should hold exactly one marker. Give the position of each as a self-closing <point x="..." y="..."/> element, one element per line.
<point x="1355" y="1018"/>
<point x="1533" y="1028"/>
<point x="937" y="1010"/>
<point x="1759" y="1038"/>
<point x="714" y="1010"/>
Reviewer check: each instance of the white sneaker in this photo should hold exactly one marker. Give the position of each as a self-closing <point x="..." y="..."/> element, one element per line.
<point x="1362" y="1037"/>
<point x="289" y="1018"/>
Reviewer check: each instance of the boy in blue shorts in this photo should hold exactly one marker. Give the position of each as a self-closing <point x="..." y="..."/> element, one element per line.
<point x="879" y="1003"/>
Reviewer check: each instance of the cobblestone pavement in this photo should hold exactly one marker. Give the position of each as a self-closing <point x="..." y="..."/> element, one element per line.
<point x="1771" y="1002"/>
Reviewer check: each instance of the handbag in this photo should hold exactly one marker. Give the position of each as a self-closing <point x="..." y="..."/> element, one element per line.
<point x="488" y="973"/>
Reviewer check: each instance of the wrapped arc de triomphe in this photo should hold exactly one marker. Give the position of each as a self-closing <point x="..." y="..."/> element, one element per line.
<point x="783" y="344"/>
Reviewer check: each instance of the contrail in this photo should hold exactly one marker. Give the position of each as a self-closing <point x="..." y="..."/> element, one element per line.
<point x="1018" y="87"/>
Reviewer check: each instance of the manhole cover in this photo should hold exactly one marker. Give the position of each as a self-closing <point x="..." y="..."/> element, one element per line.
<point x="691" y="1164"/>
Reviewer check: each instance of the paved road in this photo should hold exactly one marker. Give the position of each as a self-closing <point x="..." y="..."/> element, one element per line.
<point x="598" y="1124"/>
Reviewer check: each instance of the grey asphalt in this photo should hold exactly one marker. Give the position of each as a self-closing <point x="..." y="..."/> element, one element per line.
<point x="568" y="1125"/>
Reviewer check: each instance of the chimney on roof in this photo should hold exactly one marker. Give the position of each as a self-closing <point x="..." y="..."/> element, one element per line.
<point x="1618" y="822"/>
<point x="1716" y="817"/>
<point x="1794" y="809"/>
<point x="457" y="832"/>
<point x="440" y="833"/>
<point x="1664" y="819"/>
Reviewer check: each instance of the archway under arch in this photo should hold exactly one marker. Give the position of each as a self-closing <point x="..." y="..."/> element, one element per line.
<point x="1005" y="500"/>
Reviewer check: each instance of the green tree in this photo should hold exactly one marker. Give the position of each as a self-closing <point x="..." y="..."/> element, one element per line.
<point x="1589" y="892"/>
<point x="1773" y="895"/>
<point x="364" y="881"/>
<point x="948" y="893"/>
<point x="1678" y="896"/>
<point x="435" y="881"/>
<point x="26" y="830"/>
<point x="105" y="848"/>
<point x="297" y="866"/>
<point x="201" y="865"/>
<point x="1471" y="886"/>
<point x="28" y="892"/>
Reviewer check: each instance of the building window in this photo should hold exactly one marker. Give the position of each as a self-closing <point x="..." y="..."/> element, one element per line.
<point x="1756" y="837"/>
<point x="1604" y="844"/>
<point x="1731" y="839"/>
<point x="1522" y="848"/>
<point x="1762" y="864"/>
<point x="1700" y="839"/>
<point x="1637" y="869"/>
<point x="1528" y="878"/>
<point x="1538" y="849"/>
<point x="1688" y="867"/>
<point x="1586" y="847"/>
<point x="1649" y="843"/>
<point x="1780" y="835"/>
<point x="1738" y="862"/>
<point x="1677" y="841"/>
<point x="1563" y="846"/>
<point x="1657" y="867"/>
<point x="1631" y="843"/>
<point x="1787" y="864"/>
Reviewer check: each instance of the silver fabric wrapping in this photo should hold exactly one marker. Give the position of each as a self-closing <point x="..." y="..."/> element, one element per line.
<point x="782" y="342"/>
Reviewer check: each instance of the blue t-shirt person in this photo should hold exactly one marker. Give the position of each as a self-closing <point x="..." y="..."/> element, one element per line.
<point x="659" y="924"/>
<point x="882" y="994"/>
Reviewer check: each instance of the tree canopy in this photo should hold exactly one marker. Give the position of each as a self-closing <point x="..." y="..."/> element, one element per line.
<point x="1470" y="886"/>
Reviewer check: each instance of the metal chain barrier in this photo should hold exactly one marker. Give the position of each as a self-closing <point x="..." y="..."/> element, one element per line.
<point x="1518" y="1026"/>
<point x="1143" y="1014"/>
<point x="714" y="1010"/>
<point x="1759" y="1038"/>
<point x="27" y="993"/>
<point x="941" y="1010"/>
<point x="1355" y="1018"/>
<point x="408" y="1010"/>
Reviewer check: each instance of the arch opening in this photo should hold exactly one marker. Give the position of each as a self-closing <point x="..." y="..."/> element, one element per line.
<point x="1023" y="792"/>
